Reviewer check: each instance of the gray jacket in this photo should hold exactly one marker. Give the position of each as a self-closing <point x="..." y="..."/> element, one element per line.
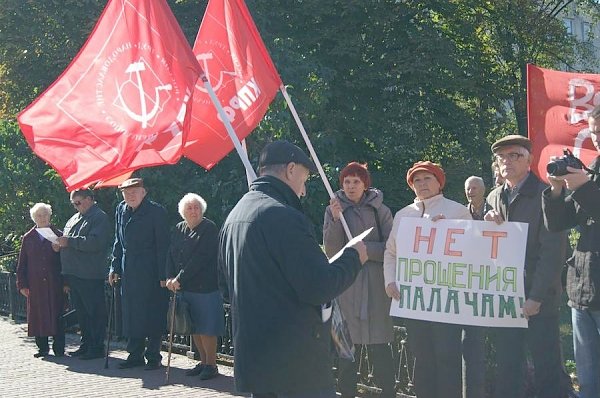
<point x="365" y="305"/>
<point x="86" y="254"/>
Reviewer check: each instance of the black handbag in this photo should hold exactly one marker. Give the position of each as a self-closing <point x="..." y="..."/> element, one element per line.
<point x="183" y="320"/>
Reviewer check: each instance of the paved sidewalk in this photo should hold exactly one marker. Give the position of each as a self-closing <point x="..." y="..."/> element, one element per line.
<point x="22" y="375"/>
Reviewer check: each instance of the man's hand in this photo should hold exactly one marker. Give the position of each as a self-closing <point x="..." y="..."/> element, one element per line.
<point x="173" y="285"/>
<point x="25" y="291"/>
<point x="63" y="241"/>
<point x="573" y="180"/>
<point x="336" y="208"/>
<point x="438" y="217"/>
<point x="493" y="215"/>
<point x="163" y="283"/>
<point x="392" y="291"/>
<point x="361" y="248"/>
<point x="531" y="308"/>
<point x="66" y="289"/>
<point x="113" y="279"/>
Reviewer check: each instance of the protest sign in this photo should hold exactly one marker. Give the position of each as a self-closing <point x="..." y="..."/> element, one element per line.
<point x="461" y="272"/>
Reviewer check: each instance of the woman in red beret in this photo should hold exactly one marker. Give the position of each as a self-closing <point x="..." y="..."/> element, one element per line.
<point x="436" y="346"/>
<point x="365" y="305"/>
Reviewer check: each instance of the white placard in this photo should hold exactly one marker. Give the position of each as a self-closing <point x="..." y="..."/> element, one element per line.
<point x="461" y="272"/>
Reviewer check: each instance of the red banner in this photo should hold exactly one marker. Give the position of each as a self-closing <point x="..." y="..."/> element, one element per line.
<point x="238" y="67"/>
<point x="558" y="107"/>
<point x="121" y="103"/>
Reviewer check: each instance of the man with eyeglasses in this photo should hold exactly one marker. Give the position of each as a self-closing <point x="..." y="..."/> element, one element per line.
<point x="84" y="254"/>
<point x="519" y="199"/>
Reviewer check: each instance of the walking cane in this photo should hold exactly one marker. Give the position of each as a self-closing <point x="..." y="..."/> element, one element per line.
<point x="110" y="318"/>
<point x="172" y="327"/>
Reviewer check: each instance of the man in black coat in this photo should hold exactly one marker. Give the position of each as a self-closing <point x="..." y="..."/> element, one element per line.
<point x="579" y="209"/>
<point x="519" y="199"/>
<point x="139" y="256"/>
<point x="276" y="279"/>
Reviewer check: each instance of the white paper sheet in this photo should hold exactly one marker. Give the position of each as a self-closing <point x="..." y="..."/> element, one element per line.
<point x="48" y="233"/>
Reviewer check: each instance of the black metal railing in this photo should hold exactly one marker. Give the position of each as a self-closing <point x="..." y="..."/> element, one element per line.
<point x="14" y="305"/>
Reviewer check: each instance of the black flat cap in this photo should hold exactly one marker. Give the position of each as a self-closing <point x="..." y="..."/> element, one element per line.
<point x="284" y="152"/>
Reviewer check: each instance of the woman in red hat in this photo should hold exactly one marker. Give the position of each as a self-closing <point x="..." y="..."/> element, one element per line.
<point x="365" y="305"/>
<point x="436" y="346"/>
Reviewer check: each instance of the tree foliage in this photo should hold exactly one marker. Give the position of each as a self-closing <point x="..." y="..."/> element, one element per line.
<point x="387" y="82"/>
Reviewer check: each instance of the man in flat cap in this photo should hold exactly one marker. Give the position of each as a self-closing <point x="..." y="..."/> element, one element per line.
<point x="276" y="278"/>
<point x="138" y="259"/>
<point x="83" y="255"/>
<point x="573" y="201"/>
<point x="519" y="199"/>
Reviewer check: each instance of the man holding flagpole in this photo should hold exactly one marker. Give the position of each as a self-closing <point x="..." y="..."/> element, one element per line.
<point x="276" y="277"/>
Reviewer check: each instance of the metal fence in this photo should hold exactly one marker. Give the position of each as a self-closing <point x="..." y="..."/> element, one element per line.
<point x="14" y="305"/>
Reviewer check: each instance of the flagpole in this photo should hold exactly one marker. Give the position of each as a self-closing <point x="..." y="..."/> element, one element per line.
<point x="248" y="177"/>
<point x="250" y="173"/>
<point x="313" y="154"/>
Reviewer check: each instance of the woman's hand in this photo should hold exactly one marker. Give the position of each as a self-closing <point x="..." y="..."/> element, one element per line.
<point x="24" y="291"/>
<point x="336" y="208"/>
<point x="493" y="215"/>
<point x="392" y="291"/>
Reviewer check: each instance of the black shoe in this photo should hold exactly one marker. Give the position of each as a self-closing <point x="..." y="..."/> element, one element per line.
<point x="78" y="352"/>
<point x="59" y="353"/>
<point x="152" y="365"/>
<point x="92" y="355"/>
<point x="40" y="354"/>
<point x="196" y="370"/>
<point x="209" y="372"/>
<point x="132" y="364"/>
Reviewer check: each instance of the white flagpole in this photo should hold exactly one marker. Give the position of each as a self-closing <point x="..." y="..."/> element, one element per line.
<point x="313" y="154"/>
<point x="250" y="173"/>
<point x="248" y="177"/>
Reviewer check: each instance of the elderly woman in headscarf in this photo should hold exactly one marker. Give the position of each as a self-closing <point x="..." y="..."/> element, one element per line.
<point x="436" y="346"/>
<point x="364" y="305"/>
<point x="192" y="274"/>
<point x="39" y="279"/>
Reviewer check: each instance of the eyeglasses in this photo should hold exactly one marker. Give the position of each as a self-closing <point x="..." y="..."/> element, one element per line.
<point x="513" y="156"/>
<point x="76" y="203"/>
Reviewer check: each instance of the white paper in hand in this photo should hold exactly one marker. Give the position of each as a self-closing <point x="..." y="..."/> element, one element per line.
<point x="326" y="308"/>
<point x="48" y="233"/>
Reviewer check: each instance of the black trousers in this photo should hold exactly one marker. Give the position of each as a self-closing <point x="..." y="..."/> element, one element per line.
<point x="140" y="347"/>
<point x="380" y="356"/>
<point x="542" y="338"/>
<point x="437" y="348"/>
<point x="87" y="296"/>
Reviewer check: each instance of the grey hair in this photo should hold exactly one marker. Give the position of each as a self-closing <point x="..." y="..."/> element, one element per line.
<point x="39" y="207"/>
<point x="273" y="169"/>
<point x="188" y="198"/>
<point x="475" y="178"/>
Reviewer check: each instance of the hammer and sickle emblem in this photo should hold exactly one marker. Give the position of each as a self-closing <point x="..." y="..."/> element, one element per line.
<point x="204" y="58"/>
<point x="144" y="117"/>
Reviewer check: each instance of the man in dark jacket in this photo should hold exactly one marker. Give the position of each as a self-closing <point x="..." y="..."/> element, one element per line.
<point x="139" y="256"/>
<point x="581" y="209"/>
<point x="519" y="199"/>
<point x="277" y="277"/>
<point x="83" y="254"/>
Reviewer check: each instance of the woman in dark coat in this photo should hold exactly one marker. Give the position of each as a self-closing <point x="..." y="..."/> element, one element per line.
<point x="39" y="279"/>
<point x="365" y="304"/>
<point x="192" y="274"/>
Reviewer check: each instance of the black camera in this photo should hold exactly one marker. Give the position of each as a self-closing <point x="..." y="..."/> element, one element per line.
<point x="559" y="166"/>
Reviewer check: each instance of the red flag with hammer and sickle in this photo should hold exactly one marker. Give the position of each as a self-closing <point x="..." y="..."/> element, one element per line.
<point x="238" y="67"/>
<point x="122" y="102"/>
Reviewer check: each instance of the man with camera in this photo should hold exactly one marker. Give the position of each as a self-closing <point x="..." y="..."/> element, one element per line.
<point x="579" y="208"/>
<point x="519" y="199"/>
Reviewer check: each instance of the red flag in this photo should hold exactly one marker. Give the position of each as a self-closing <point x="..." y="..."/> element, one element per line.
<point x="238" y="66"/>
<point x="121" y="103"/>
<point x="558" y="105"/>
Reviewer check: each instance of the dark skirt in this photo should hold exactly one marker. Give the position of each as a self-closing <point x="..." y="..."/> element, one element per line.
<point x="206" y="310"/>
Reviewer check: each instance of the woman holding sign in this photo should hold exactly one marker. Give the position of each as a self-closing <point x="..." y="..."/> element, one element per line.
<point x="436" y="346"/>
<point x="365" y="305"/>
